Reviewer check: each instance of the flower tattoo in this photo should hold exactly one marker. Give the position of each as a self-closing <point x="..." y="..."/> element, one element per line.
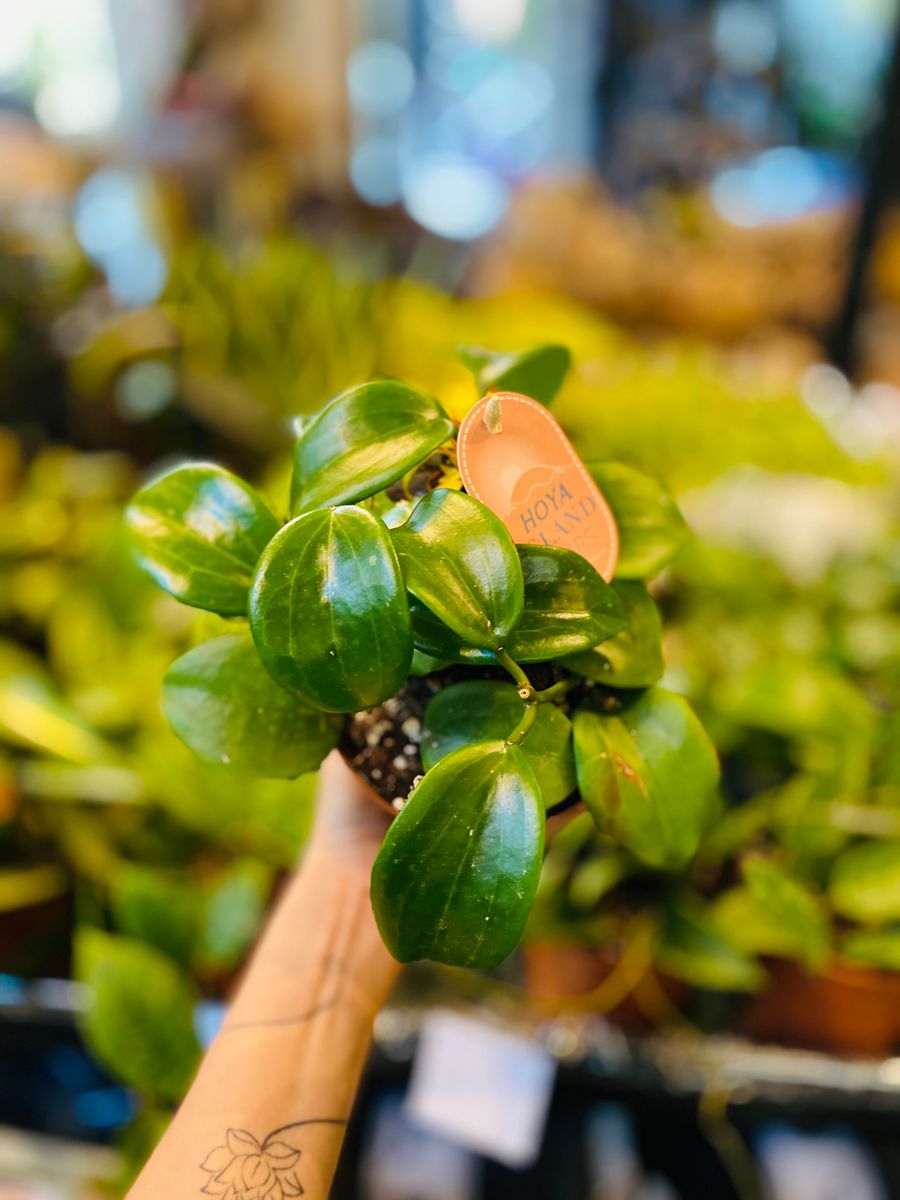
<point x="245" y="1169"/>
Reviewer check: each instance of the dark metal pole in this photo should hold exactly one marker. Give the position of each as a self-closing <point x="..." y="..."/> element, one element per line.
<point x="882" y="176"/>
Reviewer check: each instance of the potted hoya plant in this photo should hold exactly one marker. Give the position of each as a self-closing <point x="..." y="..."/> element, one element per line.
<point x="477" y="679"/>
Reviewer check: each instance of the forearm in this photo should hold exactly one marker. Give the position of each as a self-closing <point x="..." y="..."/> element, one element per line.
<point x="285" y="1066"/>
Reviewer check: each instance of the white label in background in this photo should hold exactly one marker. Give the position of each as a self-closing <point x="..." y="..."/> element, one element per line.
<point x="482" y="1087"/>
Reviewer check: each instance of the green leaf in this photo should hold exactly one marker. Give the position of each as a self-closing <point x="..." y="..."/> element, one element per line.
<point x="363" y="441"/>
<point x="875" y="947"/>
<point x="426" y="664"/>
<point x="651" y="528"/>
<point x="459" y="560"/>
<point x="234" y="909"/>
<point x="224" y="704"/>
<point x="199" y="531"/>
<point x="568" y="606"/>
<point x="139" y="1021"/>
<point x="458" y="870"/>
<point x="329" y="613"/>
<point x="648" y="774"/>
<point x="538" y="372"/>
<point x="865" y="882"/>
<point x="632" y="658"/>
<point x="154" y="907"/>
<point x="694" y="951"/>
<point x="791" y="906"/>
<point x="596" y="877"/>
<point x="438" y="643"/>
<point x="479" y="710"/>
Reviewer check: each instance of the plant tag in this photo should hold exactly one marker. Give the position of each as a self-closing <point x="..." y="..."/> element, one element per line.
<point x="482" y="1087"/>
<point x="515" y="458"/>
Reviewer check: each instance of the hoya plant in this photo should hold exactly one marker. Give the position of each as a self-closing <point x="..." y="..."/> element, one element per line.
<point x="476" y="683"/>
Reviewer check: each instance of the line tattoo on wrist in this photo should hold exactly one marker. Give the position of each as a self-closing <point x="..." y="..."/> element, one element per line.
<point x="245" y="1168"/>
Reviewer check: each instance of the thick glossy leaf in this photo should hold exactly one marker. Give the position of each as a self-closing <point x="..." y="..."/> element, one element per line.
<point x="481" y="710"/>
<point x="199" y="531"/>
<point x="648" y="774"/>
<point x="439" y="643"/>
<point x="632" y="658"/>
<point x="651" y="528"/>
<point x="789" y="904"/>
<point x="364" y="441"/>
<point x="329" y="613"/>
<point x="426" y="664"/>
<point x="538" y="372"/>
<point x="694" y="950"/>
<point x="456" y="875"/>
<point x="568" y="606"/>
<point x="459" y="560"/>
<point x="154" y="907"/>
<point x="140" y="1019"/>
<point x="865" y="882"/>
<point x="875" y="947"/>
<point x="224" y="704"/>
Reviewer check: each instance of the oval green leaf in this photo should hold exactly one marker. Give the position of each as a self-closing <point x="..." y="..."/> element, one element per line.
<point x="538" y="372"/>
<point x="363" y="441"/>
<point x="651" y="527"/>
<point x="648" y="774"/>
<point x="459" y="559"/>
<point x="791" y="906"/>
<point x="457" y="873"/>
<point x="433" y="638"/>
<point x="199" y="531"/>
<point x="568" y="606"/>
<point x="632" y="658"/>
<point x="224" y="704"/>
<point x="865" y="882"/>
<point x="479" y="710"/>
<point x="140" y="1016"/>
<point x="328" y="610"/>
<point x="694" y="950"/>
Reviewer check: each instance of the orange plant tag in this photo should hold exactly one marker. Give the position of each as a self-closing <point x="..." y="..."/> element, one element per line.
<point x="515" y="458"/>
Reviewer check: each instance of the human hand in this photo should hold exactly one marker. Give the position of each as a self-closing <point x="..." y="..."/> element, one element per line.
<point x="349" y="824"/>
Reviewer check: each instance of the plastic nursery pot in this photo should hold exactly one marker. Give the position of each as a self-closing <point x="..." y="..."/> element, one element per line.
<point x="846" y="1009"/>
<point x="570" y="970"/>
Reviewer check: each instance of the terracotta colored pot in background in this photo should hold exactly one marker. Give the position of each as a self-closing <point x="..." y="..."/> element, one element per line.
<point x="562" y="970"/>
<point x="846" y="1009"/>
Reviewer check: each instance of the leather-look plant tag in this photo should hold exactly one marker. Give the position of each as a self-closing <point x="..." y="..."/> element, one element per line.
<point x="515" y="458"/>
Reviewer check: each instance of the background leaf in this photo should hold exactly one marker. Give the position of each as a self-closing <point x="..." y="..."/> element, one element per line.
<point x="632" y="658"/>
<point x="224" y="704"/>
<point x="139" y="1020"/>
<point x="651" y="528"/>
<point x="457" y="872"/>
<point x="791" y="906"/>
<point x="363" y="441"/>
<point x="458" y="558"/>
<point x="329" y="612"/>
<point x="199" y="531"/>
<point x="537" y="372"/>
<point x="154" y="906"/>
<point x="648" y="774"/>
<point x="693" y="950"/>
<point x="481" y="710"/>
<point x="865" y="882"/>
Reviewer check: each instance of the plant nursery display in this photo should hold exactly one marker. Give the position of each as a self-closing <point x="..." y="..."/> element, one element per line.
<point x="478" y="683"/>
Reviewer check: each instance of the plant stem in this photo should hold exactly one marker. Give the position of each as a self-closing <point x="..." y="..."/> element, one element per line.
<point x="555" y="690"/>
<point x="529" y="716"/>
<point x="523" y="683"/>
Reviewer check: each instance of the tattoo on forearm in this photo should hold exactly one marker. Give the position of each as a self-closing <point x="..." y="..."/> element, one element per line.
<point x="247" y="1169"/>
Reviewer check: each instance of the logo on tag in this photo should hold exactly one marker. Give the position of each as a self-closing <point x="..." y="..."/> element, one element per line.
<point x="515" y="458"/>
